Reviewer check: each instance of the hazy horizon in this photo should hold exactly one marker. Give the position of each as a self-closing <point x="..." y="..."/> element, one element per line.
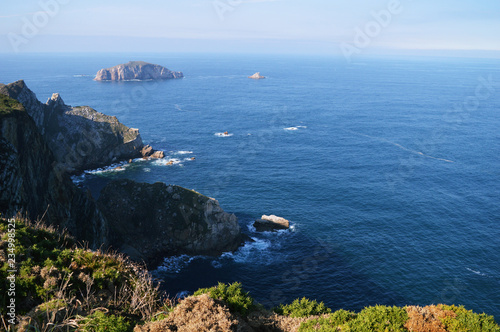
<point x="360" y="27"/>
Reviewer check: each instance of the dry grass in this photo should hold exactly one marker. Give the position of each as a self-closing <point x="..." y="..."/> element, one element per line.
<point x="270" y="321"/>
<point x="78" y="281"/>
<point x="427" y="319"/>
<point x="197" y="313"/>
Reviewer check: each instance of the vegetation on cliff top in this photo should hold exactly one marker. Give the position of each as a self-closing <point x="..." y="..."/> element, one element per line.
<point x="7" y="105"/>
<point x="61" y="286"/>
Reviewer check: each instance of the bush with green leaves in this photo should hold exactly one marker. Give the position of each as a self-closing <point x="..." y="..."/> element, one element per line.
<point x="100" y="322"/>
<point x="374" y="319"/>
<point x="379" y="319"/>
<point x="302" y="308"/>
<point x="466" y="320"/>
<point x="237" y="300"/>
<point x="333" y="322"/>
<point x="50" y="266"/>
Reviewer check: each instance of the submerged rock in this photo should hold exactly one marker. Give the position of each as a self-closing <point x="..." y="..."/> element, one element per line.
<point x="152" y="221"/>
<point x="270" y="223"/>
<point x="136" y="70"/>
<point x="256" y="76"/>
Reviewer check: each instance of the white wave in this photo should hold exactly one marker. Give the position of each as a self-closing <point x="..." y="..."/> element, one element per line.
<point x="476" y="272"/>
<point x="295" y="128"/>
<point x="118" y="167"/>
<point x="183" y="152"/>
<point x="399" y="146"/>
<point x="257" y="251"/>
<point x="146" y="169"/>
<point x="77" y="179"/>
<point x="175" y="264"/>
<point x="167" y="162"/>
<point x="223" y="134"/>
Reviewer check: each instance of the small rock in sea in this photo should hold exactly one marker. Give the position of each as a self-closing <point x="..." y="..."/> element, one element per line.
<point x="256" y="76"/>
<point x="270" y="223"/>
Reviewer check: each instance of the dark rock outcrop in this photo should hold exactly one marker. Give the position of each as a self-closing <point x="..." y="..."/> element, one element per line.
<point x="270" y="223"/>
<point x="148" y="152"/>
<point x="30" y="183"/>
<point x="151" y="221"/>
<point x="80" y="137"/>
<point x="136" y="70"/>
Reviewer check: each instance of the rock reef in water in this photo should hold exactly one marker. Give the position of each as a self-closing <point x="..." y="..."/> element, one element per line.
<point x="151" y="221"/>
<point x="136" y="70"/>
<point x="80" y="137"/>
<point x="256" y="76"/>
<point x="270" y="223"/>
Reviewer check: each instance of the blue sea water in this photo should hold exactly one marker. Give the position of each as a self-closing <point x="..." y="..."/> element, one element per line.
<point x="387" y="168"/>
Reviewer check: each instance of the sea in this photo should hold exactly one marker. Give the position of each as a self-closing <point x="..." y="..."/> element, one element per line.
<point x="388" y="168"/>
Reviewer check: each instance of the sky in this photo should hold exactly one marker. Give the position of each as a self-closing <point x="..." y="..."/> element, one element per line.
<point x="251" y="26"/>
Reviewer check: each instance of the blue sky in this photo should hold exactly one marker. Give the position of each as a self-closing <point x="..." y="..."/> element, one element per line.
<point x="260" y="26"/>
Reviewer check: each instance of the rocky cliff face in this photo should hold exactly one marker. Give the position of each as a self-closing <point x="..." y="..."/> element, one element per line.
<point x="136" y="70"/>
<point x="151" y="221"/>
<point x="80" y="137"/>
<point x="32" y="185"/>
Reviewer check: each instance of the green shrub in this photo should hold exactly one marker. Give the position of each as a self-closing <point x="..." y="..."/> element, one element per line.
<point x="332" y="322"/>
<point x="379" y="319"/>
<point x="467" y="320"/>
<point x="303" y="308"/>
<point x="237" y="300"/>
<point x="47" y="259"/>
<point x="100" y="322"/>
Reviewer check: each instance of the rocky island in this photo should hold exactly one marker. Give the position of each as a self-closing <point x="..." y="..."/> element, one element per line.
<point x="136" y="70"/>
<point x="256" y="76"/>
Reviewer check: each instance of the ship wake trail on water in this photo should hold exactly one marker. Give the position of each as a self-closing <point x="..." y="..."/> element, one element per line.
<point x="381" y="139"/>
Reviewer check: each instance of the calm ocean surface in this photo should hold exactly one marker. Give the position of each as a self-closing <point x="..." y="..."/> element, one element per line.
<point x="388" y="169"/>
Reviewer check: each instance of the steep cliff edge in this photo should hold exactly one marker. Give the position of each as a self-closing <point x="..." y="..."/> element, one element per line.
<point x="80" y="137"/>
<point x="151" y="221"/>
<point x="32" y="185"/>
<point x="136" y="70"/>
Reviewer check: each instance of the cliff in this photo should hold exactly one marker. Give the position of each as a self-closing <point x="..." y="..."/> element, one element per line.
<point x="136" y="70"/>
<point x="32" y="185"/>
<point x="80" y="137"/>
<point x="151" y="221"/>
